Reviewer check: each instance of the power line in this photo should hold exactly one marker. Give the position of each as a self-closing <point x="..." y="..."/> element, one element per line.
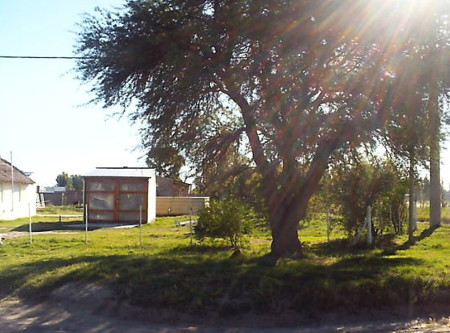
<point x="44" y="57"/>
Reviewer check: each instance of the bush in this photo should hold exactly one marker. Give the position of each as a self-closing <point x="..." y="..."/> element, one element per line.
<point x="380" y="184"/>
<point x="228" y="219"/>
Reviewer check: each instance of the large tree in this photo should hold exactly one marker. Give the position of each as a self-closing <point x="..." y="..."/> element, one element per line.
<point x="292" y="81"/>
<point x="422" y="73"/>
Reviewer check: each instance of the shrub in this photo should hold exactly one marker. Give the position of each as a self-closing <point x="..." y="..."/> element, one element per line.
<point x="228" y="219"/>
<point x="380" y="184"/>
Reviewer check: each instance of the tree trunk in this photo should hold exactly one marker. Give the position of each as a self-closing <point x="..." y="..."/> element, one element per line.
<point x="435" y="170"/>
<point x="284" y="220"/>
<point x="285" y="242"/>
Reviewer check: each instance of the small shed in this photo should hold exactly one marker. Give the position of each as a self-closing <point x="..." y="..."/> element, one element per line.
<point x="17" y="192"/>
<point x="120" y="195"/>
<point x="168" y="187"/>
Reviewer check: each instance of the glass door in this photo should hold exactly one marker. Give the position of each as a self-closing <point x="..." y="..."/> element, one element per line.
<point x="132" y="201"/>
<point x="117" y="200"/>
<point x="101" y="201"/>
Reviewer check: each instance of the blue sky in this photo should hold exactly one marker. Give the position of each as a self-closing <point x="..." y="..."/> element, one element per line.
<point x="44" y="119"/>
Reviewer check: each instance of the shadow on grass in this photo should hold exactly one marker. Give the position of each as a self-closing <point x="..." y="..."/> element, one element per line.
<point x="59" y="226"/>
<point x="406" y="245"/>
<point x="47" y="226"/>
<point x="198" y="249"/>
<point x="338" y="248"/>
<point x="187" y="279"/>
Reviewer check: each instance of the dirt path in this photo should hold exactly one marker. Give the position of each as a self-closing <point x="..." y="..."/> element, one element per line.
<point x="91" y="308"/>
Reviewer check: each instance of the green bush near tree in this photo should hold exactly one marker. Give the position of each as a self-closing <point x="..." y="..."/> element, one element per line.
<point x="228" y="219"/>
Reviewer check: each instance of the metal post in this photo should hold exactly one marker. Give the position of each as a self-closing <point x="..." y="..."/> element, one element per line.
<point x="86" y="215"/>
<point x="29" y="226"/>
<point x="12" y="182"/>
<point x="191" y="230"/>
<point x="140" y="226"/>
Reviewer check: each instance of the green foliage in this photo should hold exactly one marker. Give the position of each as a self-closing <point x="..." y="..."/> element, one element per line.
<point x="63" y="180"/>
<point x="382" y="185"/>
<point x="77" y="182"/>
<point x="70" y="182"/>
<point x="166" y="160"/>
<point x="228" y="219"/>
<point x="391" y="205"/>
<point x="275" y="80"/>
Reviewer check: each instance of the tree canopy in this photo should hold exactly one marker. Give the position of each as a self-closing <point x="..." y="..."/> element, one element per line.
<point x="287" y="82"/>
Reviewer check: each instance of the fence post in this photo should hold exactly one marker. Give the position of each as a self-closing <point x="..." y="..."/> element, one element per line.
<point x="369" y="226"/>
<point x="86" y="215"/>
<point x="328" y="225"/>
<point x="30" y="229"/>
<point x="140" y="226"/>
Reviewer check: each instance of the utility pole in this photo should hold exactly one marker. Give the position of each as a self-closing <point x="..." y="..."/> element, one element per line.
<point x="12" y="181"/>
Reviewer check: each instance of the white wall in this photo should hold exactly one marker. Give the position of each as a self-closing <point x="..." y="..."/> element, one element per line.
<point x="151" y="209"/>
<point x="180" y="205"/>
<point x="24" y="200"/>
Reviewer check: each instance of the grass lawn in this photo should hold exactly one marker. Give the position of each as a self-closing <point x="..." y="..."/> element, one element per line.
<point x="172" y="270"/>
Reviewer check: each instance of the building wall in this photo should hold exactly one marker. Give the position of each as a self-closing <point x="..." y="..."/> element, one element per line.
<point x="180" y="205"/>
<point x="18" y="203"/>
<point x="151" y="210"/>
<point x="70" y="197"/>
<point x="166" y="187"/>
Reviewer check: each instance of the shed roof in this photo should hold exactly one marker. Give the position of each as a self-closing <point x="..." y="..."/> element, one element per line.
<point x="122" y="172"/>
<point x="19" y="176"/>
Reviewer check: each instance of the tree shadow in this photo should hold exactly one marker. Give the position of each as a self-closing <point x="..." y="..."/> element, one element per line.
<point x="181" y="280"/>
<point x="60" y="226"/>
<point x="198" y="249"/>
<point x="406" y="245"/>
<point x="338" y="248"/>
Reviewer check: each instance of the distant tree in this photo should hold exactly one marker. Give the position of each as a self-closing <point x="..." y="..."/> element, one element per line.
<point x="77" y="182"/>
<point x="166" y="160"/>
<point x="70" y="182"/>
<point x="63" y="180"/>
<point x="291" y="81"/>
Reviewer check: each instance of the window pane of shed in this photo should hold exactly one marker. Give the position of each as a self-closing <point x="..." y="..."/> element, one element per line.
<point x="131" y="201"/>
<point x="133" y="187"/>
<point x="101" y="201"/>
<point x="98" y="186"/>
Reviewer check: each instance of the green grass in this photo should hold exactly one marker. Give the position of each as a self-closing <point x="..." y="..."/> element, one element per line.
<point x="48" y="218"/>
<point x="423" y="213"/>
<point x="61" y="210"/>
<point x="171" y="270"/>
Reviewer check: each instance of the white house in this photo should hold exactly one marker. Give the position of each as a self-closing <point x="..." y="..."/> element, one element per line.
<point x="17" y="192"/>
